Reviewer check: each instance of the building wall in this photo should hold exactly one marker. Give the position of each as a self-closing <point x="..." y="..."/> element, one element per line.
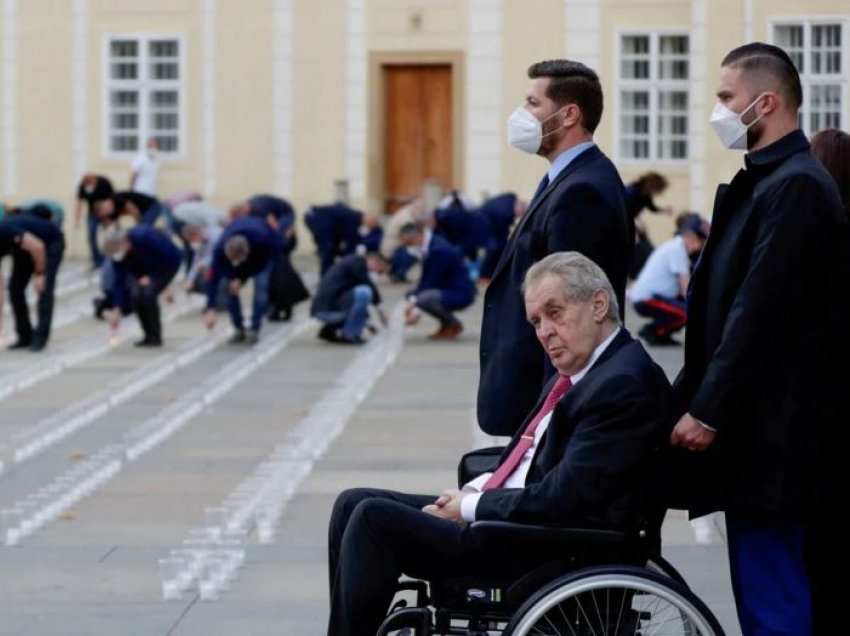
<point x="284" y="95"/>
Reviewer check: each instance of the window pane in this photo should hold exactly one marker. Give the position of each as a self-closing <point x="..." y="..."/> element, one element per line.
<point x="634" y="148"/>
<point x="636" y="44"/>
<point x="634" y="69"/>
<point x="164" y="121"/>
<point x="123" y="143"/>
<point x="164" y="71"/>
<point x="124" y="70"/>
<point x="167" y="143"/>
<point x="635" y="100"/>
<point x="124" y="99"/>
<point x="160" y="99"/>
<point x="673" y="44"/>
<point x="826" y="49"/>
<point x="790" y="38"/>
<point x="163" y="48"/>
<point x="123" y="48"/>
<point x="124" y="121"/>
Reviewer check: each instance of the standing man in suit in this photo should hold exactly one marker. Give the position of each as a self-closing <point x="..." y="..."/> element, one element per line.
<point x="444" y="286"/>
<point x="578" y="206"/>
<point x="581" y="457"/>
<point x="758" y="395"/>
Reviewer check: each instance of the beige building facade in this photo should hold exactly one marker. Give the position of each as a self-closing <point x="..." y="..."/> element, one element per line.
<point x="289" y="96"/>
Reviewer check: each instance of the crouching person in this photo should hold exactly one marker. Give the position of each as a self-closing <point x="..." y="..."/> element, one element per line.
<point x="145" y="261"/>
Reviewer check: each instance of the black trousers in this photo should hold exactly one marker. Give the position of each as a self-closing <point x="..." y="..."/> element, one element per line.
<point x="375" y="536"/>
<point x="146" y="303"/>
<point x="22" y="271"/>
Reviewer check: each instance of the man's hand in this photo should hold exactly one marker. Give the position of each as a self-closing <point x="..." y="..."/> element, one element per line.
<point x="144" y="281"/>
<point x="38" y="283"/>
<point x="447" y="506"/>
<point x="234" y="287"/>
<point x="209" y="318"/>
<point x="689" y="433"/>
<point x="411" y="314"/>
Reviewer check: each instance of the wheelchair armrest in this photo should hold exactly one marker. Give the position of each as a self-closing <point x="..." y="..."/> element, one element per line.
<point x="553" y="534"/>
<point x="477" y="462"/>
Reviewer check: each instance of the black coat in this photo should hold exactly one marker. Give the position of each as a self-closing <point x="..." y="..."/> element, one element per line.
<point x="581" y="210"/>
<point x="336" y="289"/>
<point x="598" y="446"/>
<point x="763" y="334"/>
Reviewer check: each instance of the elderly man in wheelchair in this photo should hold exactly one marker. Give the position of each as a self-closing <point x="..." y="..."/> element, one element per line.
<point x="553" y="536"/>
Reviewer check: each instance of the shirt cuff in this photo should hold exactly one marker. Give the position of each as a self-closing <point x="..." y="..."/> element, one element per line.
<point x="706" y="426"/>
<point x="468" y="505"/>
<point x="475" y="485"/>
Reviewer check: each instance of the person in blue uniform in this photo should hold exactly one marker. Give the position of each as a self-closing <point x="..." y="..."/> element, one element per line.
<point x="444" y="286"/>
<point x="145" y="261"/>
<point x="501" y="211"/>
<point x="92" y="189"/>
<point x="336" y="231"/>
<point x="247" y="249"/>
<point x="37" y="247"/>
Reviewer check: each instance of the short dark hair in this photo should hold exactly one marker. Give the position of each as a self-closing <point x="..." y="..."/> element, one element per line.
<point x="410" y="228"/>
<point x="572" y="83"/>
<point x="831" y="147"/>
<point x="763" y="62"/>
<point x="651" y="183"/>
<point x="378" y="256"/>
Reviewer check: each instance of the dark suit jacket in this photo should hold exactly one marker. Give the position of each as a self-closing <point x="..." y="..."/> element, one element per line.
<point x="764" y="326"/>
<point x="595" y="454"/>
<point x="581" y="210"/>
<point x="443" y="269"/>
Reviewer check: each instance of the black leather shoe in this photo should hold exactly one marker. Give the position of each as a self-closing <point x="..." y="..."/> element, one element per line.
<point x="37" y="345"/>
<point x="238" y="337"/>
<point x="148" y="342"/>
<point x="20" y="344"/>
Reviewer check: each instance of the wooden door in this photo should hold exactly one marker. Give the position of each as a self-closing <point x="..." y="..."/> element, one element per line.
<point x="417" y="130"/>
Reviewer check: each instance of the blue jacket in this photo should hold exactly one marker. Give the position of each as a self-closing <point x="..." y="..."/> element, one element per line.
<point x="338" y="224"/>
<point x="153" y="254"/>
<point x="265" y="205"/>
<point x="443" y="269"/>
<point x="264" y="244"/>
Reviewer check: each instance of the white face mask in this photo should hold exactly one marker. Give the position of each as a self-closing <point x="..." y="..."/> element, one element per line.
<point x="729" y="127"/>
<point x="525" y="131"/>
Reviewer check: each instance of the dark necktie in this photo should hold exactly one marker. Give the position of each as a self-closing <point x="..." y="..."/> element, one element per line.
<point x="544" y="183"/>
<point x="497" y="479"/>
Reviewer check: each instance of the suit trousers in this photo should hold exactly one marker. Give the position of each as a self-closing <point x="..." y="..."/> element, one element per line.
<point x="375" y="536"/>
<point x="766" y="562"/>
<point x="146" y="303"/>
<point x="22" y="272"/>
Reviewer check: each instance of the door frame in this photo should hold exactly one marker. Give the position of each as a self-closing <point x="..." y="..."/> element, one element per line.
<point x="377" y="95"/>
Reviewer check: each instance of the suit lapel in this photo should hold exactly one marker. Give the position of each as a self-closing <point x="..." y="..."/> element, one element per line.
<point x="586" y="156"/>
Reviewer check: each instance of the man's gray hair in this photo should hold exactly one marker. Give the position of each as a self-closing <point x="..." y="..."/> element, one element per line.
<point x="236" y="247"/>
<point x="580" y="275"/>
<point x="113" y="239"/>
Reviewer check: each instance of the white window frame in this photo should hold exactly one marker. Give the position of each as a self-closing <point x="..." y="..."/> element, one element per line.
<point x="652" y="85"/>
<point x="806" y="77"/>
<point x="144" y="85"/>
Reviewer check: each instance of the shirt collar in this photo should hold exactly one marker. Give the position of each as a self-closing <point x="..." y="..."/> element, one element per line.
<point x="426" y="241"/>
<point x="565" y="158"/>
<point x="596" y="353"/>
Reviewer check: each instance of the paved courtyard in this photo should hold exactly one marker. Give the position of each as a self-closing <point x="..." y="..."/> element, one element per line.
<point x="116" y="458"/>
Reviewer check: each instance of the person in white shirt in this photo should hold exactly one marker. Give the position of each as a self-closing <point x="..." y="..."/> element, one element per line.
<point x="144" y="175"/>
<point x="581" y="457"/>
<point x="661" y="288"/>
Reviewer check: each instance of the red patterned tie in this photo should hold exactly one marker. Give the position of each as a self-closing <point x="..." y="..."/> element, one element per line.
<point x="497" y="479"/>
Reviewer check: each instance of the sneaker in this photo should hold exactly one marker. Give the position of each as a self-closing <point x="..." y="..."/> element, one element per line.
<point x="252" y="337"/>
<point x="238" y="337"/>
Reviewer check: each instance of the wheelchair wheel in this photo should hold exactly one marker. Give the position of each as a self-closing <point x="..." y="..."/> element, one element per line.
<point x="613" y="601"/>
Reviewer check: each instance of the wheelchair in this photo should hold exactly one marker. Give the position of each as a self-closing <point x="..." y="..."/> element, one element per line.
<point x="600" y="582"/>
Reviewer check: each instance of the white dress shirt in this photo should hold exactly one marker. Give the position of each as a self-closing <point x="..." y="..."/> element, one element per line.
<point x="517" y="478"/>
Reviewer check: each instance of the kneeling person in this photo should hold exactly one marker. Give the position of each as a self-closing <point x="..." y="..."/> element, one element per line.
<point x="145" y="261"/>
<point x="344" y="294"/>
<point x="580" y="457"/>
